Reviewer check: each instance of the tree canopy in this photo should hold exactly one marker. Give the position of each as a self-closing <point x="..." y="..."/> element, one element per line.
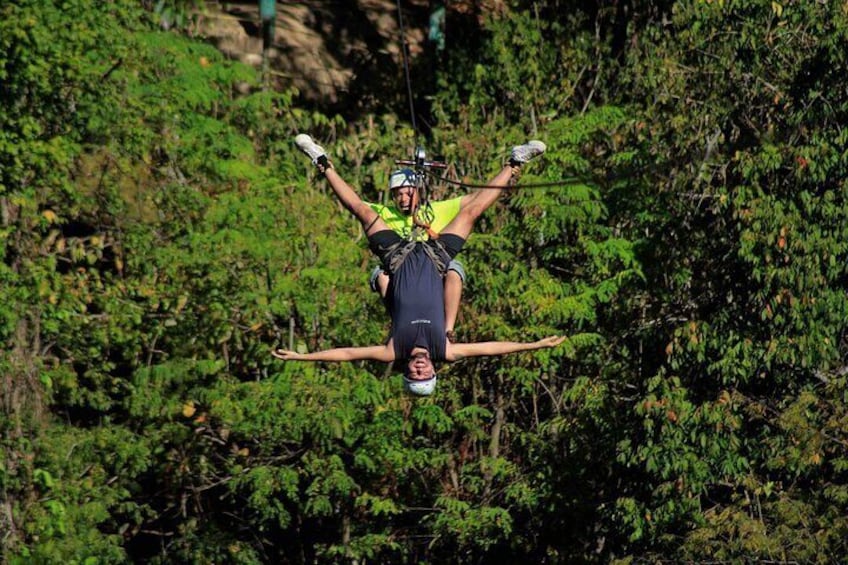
<point x="161" y="234"/>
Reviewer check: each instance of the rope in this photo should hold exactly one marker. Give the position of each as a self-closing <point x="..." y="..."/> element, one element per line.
<point x="423" y="215"/>
<point x="420" y="181"/>
<point x="424" y="223"/>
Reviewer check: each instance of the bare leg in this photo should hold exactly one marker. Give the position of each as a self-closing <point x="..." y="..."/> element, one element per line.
<point x="453" y="296"/>
<point x="478" y="203"/>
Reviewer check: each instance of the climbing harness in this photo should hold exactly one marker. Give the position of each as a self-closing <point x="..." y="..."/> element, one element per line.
<point x="422" y="218"/>
<point x="434" y="249"/>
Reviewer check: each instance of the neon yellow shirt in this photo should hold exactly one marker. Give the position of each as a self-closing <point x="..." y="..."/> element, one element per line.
<point x="443" y="212"/>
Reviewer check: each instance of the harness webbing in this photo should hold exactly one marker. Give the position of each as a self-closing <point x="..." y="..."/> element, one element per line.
<point x="399" y="251"/>
<point x="422" y="218"/>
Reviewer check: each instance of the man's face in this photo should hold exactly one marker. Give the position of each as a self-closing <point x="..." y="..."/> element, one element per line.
<point x="420" y="367"/>
<point x="406" y="198"/>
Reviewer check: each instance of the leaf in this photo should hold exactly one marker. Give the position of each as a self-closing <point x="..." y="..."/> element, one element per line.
<point x="189" y="409"/>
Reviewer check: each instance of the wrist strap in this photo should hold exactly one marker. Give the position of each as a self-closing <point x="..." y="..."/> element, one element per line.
<point x="323" y="164"/>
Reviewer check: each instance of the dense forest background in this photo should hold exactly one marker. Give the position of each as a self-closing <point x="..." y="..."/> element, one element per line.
<point x="160" y="235"/>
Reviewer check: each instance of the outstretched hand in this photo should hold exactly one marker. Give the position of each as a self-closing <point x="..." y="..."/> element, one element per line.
<point x="285" y="354"/>
<point x="552" y="341"/>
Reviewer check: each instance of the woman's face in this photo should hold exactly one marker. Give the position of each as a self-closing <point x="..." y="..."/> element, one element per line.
<point x="420" y="367"/>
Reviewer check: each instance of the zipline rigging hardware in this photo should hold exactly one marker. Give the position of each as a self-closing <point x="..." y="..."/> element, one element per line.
<point x="423" y="168"/>
<point x="424" y="215"/>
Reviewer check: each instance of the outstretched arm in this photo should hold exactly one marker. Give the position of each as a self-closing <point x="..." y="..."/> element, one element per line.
<point x="374" y="352"/>
<point x="457" y="351"/>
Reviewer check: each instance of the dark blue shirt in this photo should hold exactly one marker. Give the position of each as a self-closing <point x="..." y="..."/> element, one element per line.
<point x="418" y="306"/>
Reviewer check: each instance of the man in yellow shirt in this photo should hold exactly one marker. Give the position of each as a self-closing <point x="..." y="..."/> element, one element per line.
<point x="409" y="219"/>
<point x="400" y="218"/>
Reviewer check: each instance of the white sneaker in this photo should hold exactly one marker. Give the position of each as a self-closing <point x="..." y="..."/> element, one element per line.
<point x="527" y="152"/>
<point x="309" y="147"/>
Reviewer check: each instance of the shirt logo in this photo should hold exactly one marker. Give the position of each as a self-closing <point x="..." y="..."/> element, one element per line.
<point x="420" y="321"/>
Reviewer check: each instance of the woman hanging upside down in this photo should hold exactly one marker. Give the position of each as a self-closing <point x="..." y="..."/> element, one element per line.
<point x="416" y="295"/>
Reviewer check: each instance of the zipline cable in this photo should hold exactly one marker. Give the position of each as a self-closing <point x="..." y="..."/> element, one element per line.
<point x="423" y="216"/>
<point x="405" y="52"/>
<point x="562" y="182"/>
<point x="424" y="167"/>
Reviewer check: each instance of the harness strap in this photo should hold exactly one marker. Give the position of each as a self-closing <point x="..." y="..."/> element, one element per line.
<point x="399" y="251"/>
<point x="433" y="234"/>
<point x="423" y="215"/>
<point x="440" y="260"/>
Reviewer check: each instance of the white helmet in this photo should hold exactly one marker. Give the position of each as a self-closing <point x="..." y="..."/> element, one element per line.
<point x="402" y="177"/>
<point x="419" y="388"/>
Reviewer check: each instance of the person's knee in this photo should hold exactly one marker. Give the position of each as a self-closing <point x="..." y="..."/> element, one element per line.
<point x="469" y="214"/>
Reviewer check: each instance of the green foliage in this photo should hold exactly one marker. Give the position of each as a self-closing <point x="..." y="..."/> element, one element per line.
<point x="160" y="236"/>
<point x="717" y="182"/>
<point x="178" y="14"/>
